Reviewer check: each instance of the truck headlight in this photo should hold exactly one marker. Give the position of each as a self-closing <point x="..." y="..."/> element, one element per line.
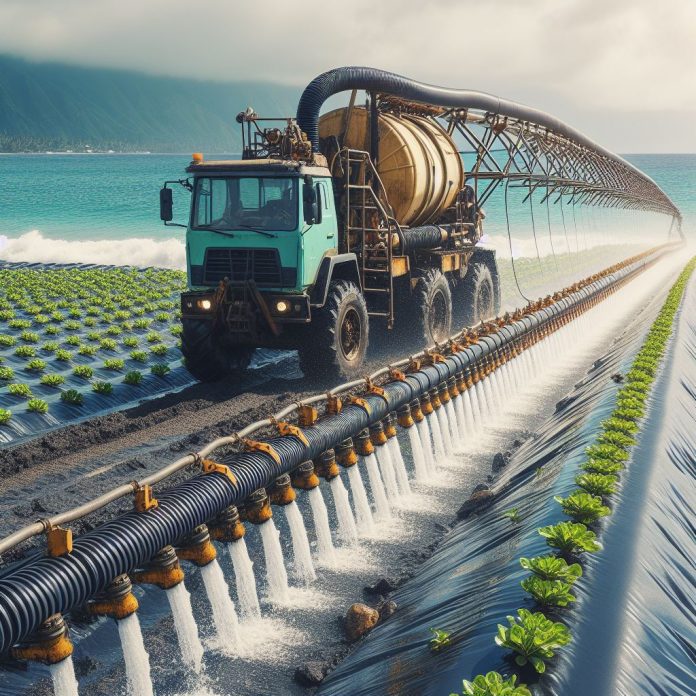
<point x="282" y="306"/>
<point x="205" y="305"/>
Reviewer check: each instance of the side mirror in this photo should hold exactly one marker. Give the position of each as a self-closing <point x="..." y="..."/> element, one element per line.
<point x="166" y="205"/>
<point x="309" y="201"/>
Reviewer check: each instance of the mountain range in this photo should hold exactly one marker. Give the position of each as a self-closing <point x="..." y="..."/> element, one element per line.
<point x="50" y="106"/>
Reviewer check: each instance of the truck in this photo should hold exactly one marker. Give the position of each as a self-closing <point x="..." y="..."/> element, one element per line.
<point x="374" y="233"/>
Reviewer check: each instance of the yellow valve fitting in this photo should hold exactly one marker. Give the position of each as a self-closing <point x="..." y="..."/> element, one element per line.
<point x="345" y="453"/>
<point x="308" y="415"/>
<point x="326" y="467"/>
<point x="334" y="405"/>
<point x="208" y="466"/>
<point x="197" y="547"/>
<point x="117" y="601"/>
<point x="163" y="570"/>
<point x="435" y="399"/>
<point x="452" y="388"/>
<point x="227" y="526"/>
<point x="364" y="445"/>
<point x="258" y="507"/>
<point x="377" y="435"/>
<point x="282" y="492"/>
<point x="59" y="541"/>
<point x="461" y="382"/>
<point x="443" y="393"/>
<point x="144" y="499"/>
<point x="426" y="404"/>
<point x="304" y="477"/>
<point x="416" y="412"/>
<point x="389" y="425"/>
<point x="404" y="416"/>
<point x="49" y="645"/>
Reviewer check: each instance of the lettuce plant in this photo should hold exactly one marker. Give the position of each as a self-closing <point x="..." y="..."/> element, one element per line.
<point x="37" y="406"/>
<point x="29" y="337"/>
<point x="609" y="452"/>
<point x="51" y="330"/>
<point x="614" y="437"/>
<point x="50" y="347"/>
<point x="153" y="337"/>
<point x="552" y="568"/>
<point x="583" y="507"/>
<point x="5" y="415"/>
<point x="72" y="340"/>
<point x="6" y="373"/>
<point x="138" y="355"/>
<point x="87" y="350"/>
<point x="108" y="344"/>
<point x="440" y="639"/>
<point x="83" y="371"/>
<point x="494" y="684"/>
<point x="114" y="364"/>
<point x="533" y="637"/>
<point x="570" y="537"/>
<point x="72" y="397"/>
<point x="548" y="592"/>
<point x="7" y="341"/>
<point x="25" y="352"/>
<point x="160" y="349"/>
<point x="597" y="484"/>
<point x="134" y="377"/>
<point x="130" y="341"/>
<point x="63" y="355"/>
<point x="160" y="369"/>
<point x="36" y="365"/>
<point x="102" y="387"/>
<point x="52" y="380"/>
<point x="602" y="466"/>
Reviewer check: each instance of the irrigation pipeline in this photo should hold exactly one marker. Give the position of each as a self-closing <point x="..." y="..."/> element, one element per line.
<point x="71" y="573"/>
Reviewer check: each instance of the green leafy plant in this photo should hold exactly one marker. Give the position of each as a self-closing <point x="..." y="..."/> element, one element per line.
<point x="36" y="365"/>
<point x="440" y="639"/>
<point x="29" y="337"/>
<point x="141" y="323"/>
<point x="87" y="350"/>
<point x="114" y="364"/>
<point x="583" y="507"/>
<point x="609" y="452"/>
<point x="602" y="466"/>
<point x="513" y="514"/>
<point x="83" y="371"/>
<point x="7" y="341"/>
<point x="89" y="321"/>
<point x="108" y="344"/>
<point x="130" y="341"/>
<point x="25" y="352"/>
<point x="548" y="592"/>
<point x="552" y="568"/>
<point x="160" y="349"/>
<point x="570" y="537"/>
<point x="63" y="355"/>
<point x="19" y="323"/>
<point x="72" y="341"/>
<point x="94" y="336"/>
<point x="102" y="387"/>
<point x="51" y="330"/>
<point x="134" y="377"/>
<point x="72" y="396"/>
<point x="153" y="337"/>
<point x="160" y="369"/>
<point x="52" y="380"/>
<point x="71" y="325"/>
<point x="597" y="484"/>
<point x="19" y="389"/>
<point x="620" y="425"/>
<point x="139" y="355"/>
<point x="5" y="415"/>
<point x="114" y="330"/>
<point x="533" y="637"/>
<point x="613" y="437"/>
<point x="493" y="684"/>
<point x="50" y="347"/>
<point x="6" y="373"/>
<point x="37" y="406"/>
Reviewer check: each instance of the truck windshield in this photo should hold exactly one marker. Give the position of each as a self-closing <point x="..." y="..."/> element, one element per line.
<point x="257" y="202"/>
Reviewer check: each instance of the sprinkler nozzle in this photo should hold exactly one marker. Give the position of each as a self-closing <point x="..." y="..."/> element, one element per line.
<point x="435" y="398"/>
<point x="452" y="387"/>
<point x="304" y="478"/>
<point x="426" y="404"/>
<point x="197" y="547"/>
<point x="416" y="412"/>
<point x="163" y="570"/>
<point x="345" y="453"/>
<point x="50" y="644"/>
<point x="117" y="601"/>
<point x="227" y="526"/>
<point x="377" y="435"/>
<point x="282" y="492"/>
<point x="404" y="416"/>
<point x="258" y="507"/>
<point x="389" y="424"/>
<point x="364" y="444"/>
<point x="461" y="382"/>
<point x="443" y="393"/>
<point x="327" y="467"/>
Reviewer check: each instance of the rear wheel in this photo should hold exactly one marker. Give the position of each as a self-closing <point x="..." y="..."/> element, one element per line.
<point x="476" y="299"/>
<point x="207" y="358"/>
<point x="336" y="341"/>
<point x="432" y="300"/>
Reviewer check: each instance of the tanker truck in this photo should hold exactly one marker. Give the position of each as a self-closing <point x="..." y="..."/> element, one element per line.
<point x="369" y="231"/>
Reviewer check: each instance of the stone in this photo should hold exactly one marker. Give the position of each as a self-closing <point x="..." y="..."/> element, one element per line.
<point x="383" y="586"/>
<point x="386" y="609"/>
<point x="360" y="619"/>
<point x="311" y="673"/>
<point x="476" y="503"/>
<point x="499" y="462"/>
<point x="481" y="487"/>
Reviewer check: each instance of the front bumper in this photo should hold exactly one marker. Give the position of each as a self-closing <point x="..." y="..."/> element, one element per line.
<point x="284" y="308"/>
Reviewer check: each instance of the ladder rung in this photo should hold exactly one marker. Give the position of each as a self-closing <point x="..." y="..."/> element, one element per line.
<point x="367" y="269"/>
<point x="381" y="291"/>
<point x="378" y="314"/>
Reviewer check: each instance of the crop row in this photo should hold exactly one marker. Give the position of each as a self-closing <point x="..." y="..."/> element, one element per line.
<point x="532" y="636"/>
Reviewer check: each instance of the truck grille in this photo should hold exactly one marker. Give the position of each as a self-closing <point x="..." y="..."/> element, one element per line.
<point x="239" y="265"/>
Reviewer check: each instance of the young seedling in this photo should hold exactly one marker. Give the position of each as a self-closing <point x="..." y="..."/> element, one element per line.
<point x="114" y="364"/>
<point x="52" y="380"/>
<point x="440" y="639"/>
<point x="29" y="337"/>
<point x="552" y="568"/>
<point x="583" y="507"/>
<point x="548" y="592"/>
<point x="36" y="365"/>
<point x="138" y="355"/>
<point x="602" y="466"/>
<point x="25" y="352"/>
<point x="83" y="371"/>
<point x="160" y="369"/>
<point x="72" y="341"/>
<point x="513" y="514"/>
<point x="570" y="537"/>
<point x="533" y="637"/>
<point x="494" y="684"/>
<point x="597" y="484"/>
<point x="37" y="406"/>
<point x="102" y="387"/>
<point x="5" y="415"/>
<point x="63" y="355"/>
<point x="6" y="373"/>
<point x="72" y="397"/>
<point x="134" y="377"/>
<point x="160" y="349"/>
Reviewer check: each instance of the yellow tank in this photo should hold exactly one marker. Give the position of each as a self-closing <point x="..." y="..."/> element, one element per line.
<point x="418" y="161"/>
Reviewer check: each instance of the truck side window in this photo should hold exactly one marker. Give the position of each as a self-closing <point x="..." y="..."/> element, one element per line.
<point x="320" y="203"/>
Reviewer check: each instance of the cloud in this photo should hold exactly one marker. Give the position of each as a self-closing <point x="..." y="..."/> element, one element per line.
<point x="594" y="55"/>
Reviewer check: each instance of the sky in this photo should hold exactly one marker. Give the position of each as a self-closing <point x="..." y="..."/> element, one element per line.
<point x="622" y="71"/>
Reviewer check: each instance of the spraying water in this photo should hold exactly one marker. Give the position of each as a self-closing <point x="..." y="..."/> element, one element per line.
<point x="382" y="510"/>
<point x="469" y="416"/>
<point x="426" y="445"/>
<point x="481" y="404"/>
<point x="347" y="530"/>
<point x="452" y="419"/>
<point x="386" y="468"/>
<point x="135" y="656"/>
<point x="419" y="464"/>
<point x="245" y="580"/>
<point x="185" y="625"/>
<point x="363" y="513"/>
<point x="320" y="515"/>
<point x="275" y="566"/>
<point x="399" y="466"/>
<point x="224" y="614"/>
<point x="300" y="544"/>
<point x="443" y="422"/>
<point x="461" y="419"/>
<point x="438" y="441"/>
<point x="63" y="676"/>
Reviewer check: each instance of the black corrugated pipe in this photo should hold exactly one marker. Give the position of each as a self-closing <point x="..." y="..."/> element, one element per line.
<point x="40" y="587"/>
<point x="380" y="81"/>
<point x="425" y="237"/>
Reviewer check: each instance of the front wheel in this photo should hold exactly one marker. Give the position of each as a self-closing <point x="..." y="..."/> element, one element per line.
<point x="207" y="358"/>
<point x="335" y="343"/>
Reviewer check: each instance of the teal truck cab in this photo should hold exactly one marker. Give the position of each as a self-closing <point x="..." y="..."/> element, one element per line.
<point x="283" y="251"/>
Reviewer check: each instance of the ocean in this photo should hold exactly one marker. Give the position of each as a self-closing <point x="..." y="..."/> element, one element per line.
<point x="104" y="208"/>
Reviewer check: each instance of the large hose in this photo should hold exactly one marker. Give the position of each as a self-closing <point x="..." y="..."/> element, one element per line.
<point x="425" y="237"/>
<point x="373" y="80"/>
<point x="40" y="587"/>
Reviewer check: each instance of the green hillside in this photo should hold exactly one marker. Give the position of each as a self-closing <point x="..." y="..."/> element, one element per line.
<point x="45" y="106"/>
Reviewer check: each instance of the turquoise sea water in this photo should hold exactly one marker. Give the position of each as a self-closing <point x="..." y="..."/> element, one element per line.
<point x="102" y="198"/>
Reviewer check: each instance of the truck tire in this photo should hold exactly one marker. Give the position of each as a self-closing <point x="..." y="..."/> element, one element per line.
<point x="207" y="359"/>
<point x="335" y="343"/>
<point x="432" y="300"/>
<point x="476" y="296"/>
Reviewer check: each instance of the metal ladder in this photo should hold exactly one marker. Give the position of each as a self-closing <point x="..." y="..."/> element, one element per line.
<point x="366" y="219"/>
